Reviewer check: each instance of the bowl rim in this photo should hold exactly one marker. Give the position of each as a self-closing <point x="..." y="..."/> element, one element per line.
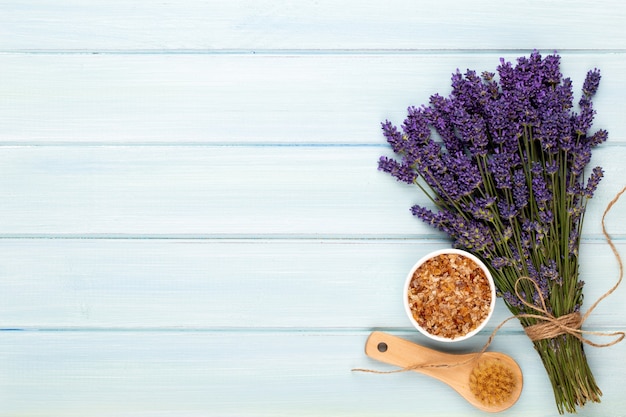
<point x="431" y="255"/>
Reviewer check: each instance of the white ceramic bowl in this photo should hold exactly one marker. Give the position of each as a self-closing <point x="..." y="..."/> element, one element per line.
<point x="409" y="278"/>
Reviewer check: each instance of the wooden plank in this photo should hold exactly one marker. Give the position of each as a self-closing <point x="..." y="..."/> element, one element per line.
<point x="191" y="220"/>
<point x="249" y="373"/>
<point x="225" y="99"/>
<point x="238" y="284"/>
<point x="251" y="25"/>
<point x="291" y="191"/>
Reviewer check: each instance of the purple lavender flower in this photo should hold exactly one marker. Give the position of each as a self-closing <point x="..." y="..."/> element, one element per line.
<point x="416" y="126"/>
<point x="540" y="190"/>
<point x="500" y="262"/>
<point x="525" y="239"/>
<point x="546" y="216"/>
<point x="440" y="116"/>
<point x="468" y="234"/>
<point x="497" y="119"/>
<point x="500" y="169"/>
<point x="466" y="173"/>
<point x="592" y="81"/>
<point x="575" y="213"/>
<point x="473" y="236"/>
<point x="469" y="90"/>
<point x="448" y="186"/>
<point x="582" y="122"/>
<point x="547" y="133"/>
<point x="507" y="210"/>
<point x="481" y="208"/>
<point x="565" y="93"/>
<point x="512" y="299"/>
<point x="551" y="70"/>
<point x="472" y="131"/>
<point x="401" y="172"/>
<point x="439" y="220"/>
<point x="597" y="138"/>
<point x="573" y="241"/>
<point x="394" y="137"/>
<point x="551" y="272"/>
<point x="531" y="271"/>
<point x="554" y="119"/>
<point x="573" y="189"/>
<point x="580" y="157"/>
<point x="520" y="189"/>
<point x="566" y="143"/>
<point x="542" y="283"/>
<point x="430" y="155"/>
<point x="552" y="167"/>
<point x="593" y="181"/>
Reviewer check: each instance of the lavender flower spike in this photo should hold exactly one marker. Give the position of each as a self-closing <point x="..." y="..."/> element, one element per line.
<point x="592" y="81"/>
<point x="593" y="181"/>
<point x="400" y="171"/>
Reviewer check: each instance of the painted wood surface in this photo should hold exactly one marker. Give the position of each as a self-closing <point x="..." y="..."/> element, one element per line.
<point x="191" y="219"/>
<point x="276" y="97"/>
<point x="216" y="25"/>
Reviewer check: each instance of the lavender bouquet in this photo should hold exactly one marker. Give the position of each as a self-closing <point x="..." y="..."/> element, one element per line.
<point x="507" y="178"/>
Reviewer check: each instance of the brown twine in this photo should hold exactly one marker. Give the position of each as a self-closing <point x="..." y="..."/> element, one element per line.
<point x="550" y="326"/>
<point x="418" y="366"/>
<point x="554" y="328"/>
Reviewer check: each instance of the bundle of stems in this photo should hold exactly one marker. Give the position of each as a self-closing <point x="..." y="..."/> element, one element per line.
<point x="504" y="163"/>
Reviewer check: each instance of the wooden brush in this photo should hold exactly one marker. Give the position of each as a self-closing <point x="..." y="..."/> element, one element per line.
<point x="490" y="381"/>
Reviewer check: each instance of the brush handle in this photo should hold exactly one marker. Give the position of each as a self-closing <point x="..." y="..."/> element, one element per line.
<point x="396" y="351"/>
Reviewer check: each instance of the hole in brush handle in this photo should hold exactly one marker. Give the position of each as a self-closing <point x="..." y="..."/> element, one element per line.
<point x="382" y="347"/>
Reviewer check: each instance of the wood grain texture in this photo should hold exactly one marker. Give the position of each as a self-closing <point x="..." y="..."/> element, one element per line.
<point x="221" y="284"/>
<point x="275" y="98"/>
<point x="248" y="373"/>
<point x="224" y="191"/>
<point x="191" y="219"/>
<point x="252" y="24"/>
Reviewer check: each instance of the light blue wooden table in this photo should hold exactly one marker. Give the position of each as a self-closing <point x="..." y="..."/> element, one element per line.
<point x="191" y="218"/>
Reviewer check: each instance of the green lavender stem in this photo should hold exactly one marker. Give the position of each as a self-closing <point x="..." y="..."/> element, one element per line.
<point x="566" y="365"/>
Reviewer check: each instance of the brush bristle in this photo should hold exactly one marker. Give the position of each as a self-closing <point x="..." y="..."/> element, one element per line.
<point x="492" y="382"/>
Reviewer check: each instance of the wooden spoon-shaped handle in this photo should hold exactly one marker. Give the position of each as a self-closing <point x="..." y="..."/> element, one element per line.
<point x="452" y="369"/>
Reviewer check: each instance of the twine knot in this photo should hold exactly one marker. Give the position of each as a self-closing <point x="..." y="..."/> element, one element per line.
<point x="550" y="326"/>
<point x="554" y="327"/>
